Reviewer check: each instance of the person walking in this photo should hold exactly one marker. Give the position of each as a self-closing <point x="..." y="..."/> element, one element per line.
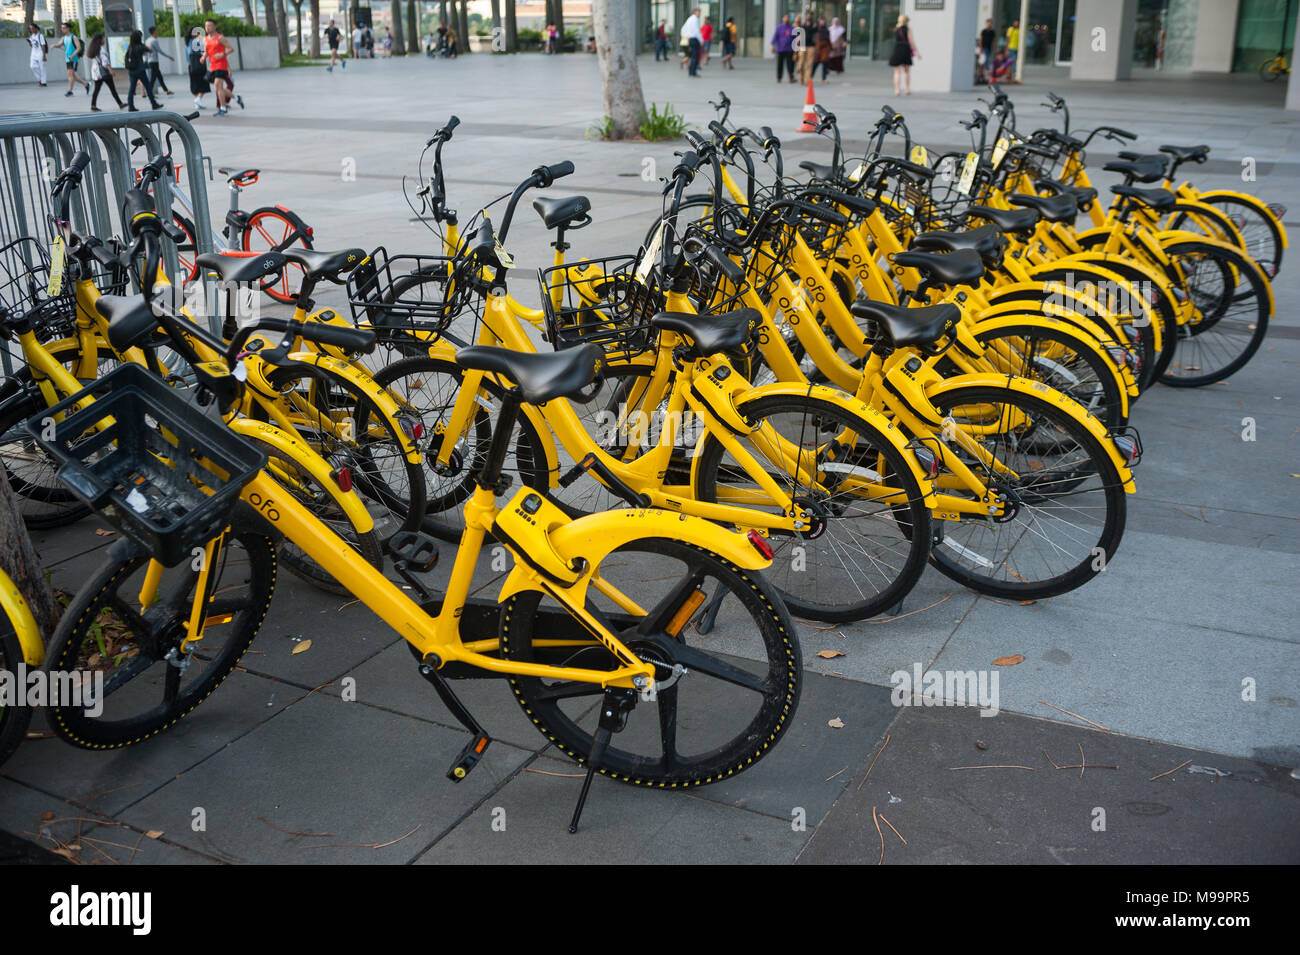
<point x="137" y="72"/>
<point x="388" y="42"/>
<point x="783" y="47"/>
<point x="216" y="53"/>
<point x="332" y="36"/>
<point x="358" y="43"/>
<point x="198" y="72"/>
<point x="694" y="39"/>
<point x="40" y="52"/>
<point x="706" y="40"/>
<point x="101" y="72"/>
<point x="368" y="38"/>
<point x="729" y="43"/>
<point x="988" y="39"/>
<point x="153" y="49"/>
<point x="839" y="45"/>
<point x="824" y="48"/>
<point x="806" y="52"/>
<point x="1013" y="46"/>
<point x="661" y="41"/>
<point x="73" y="50"/>
<point x="901" y="58"/>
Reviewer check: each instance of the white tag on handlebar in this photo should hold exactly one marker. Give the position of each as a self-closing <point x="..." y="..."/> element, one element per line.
<point x="55" y="284"/>
<point x="651" y="253"/>
<point x="968" y="173"/>
<point x="856" y="176"/>
<point x="504" y="257"/>
<point x="241" y="371"/>
<point x="999" y="151"/>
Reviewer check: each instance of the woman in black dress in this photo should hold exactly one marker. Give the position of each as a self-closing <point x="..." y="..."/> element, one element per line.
<point x="901" y="58"/>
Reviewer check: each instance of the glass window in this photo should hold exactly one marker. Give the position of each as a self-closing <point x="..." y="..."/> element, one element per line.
<point x="1263" y="28"/>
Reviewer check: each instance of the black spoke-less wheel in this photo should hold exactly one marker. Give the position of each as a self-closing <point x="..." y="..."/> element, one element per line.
<point x="722" y="700"/>
<point x="861" y="552"/>
<point x="149" y="680"/>
<point x="1064" y="510"/>
<point x="14" y="719"/>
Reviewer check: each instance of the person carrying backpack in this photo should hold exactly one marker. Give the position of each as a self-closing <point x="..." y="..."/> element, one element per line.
<point x="137" y="72"/>
<point x="73" y="50"/>
<point x="40" y="52"/>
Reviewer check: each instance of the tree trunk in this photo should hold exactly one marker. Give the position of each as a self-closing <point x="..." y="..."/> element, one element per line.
<point x="248" y="13"/>
<point x="496" y="26"/>
<point x="56" y="11"/>
<point x="614" y="24"/>
<point x="559" y="24"/>
<point x="463" y="18"/>
<point x="18" y="559"/>
<point x="207" y="6"/>
<point x="282" y="28"/>
<point x="412" y="27"/>
<point x="297" y="12"/>
<point x="315" y="28"/>
<point x="512" y="28"/>
<point x="270" y="16"/>
<point x="29" y="14"/>
<point x="399" y="35"/>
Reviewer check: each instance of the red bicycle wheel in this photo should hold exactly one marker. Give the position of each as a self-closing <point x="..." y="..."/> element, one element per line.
<point x="274" y="229"/>
<point x="187" y="250"/>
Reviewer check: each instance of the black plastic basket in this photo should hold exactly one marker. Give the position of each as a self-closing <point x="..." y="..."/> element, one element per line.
<point x="603" y="302"/>
<point x="410" y="296"/>
<point x="155" y="467"/>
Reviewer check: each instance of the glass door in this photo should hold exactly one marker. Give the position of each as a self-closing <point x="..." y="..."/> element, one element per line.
<point x="1065" y="33"/>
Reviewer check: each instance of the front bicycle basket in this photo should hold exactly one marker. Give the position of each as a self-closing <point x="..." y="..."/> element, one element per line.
<point x="608" y="302"/>
<point x="410" y="296"/>
<point x="155" y="467"/>
<point x="24" y="292"/>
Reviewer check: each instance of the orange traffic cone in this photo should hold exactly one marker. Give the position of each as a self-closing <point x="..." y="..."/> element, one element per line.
<point x="809" y="124"/>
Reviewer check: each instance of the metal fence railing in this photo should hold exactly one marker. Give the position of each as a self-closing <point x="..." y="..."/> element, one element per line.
<point x="36" y="147"/>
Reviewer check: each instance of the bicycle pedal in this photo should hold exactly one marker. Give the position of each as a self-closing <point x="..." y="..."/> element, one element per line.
<point x="416" y="550"/>
<point x="469" y="757"/>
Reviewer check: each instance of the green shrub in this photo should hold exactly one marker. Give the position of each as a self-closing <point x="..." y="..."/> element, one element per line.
<point x="659" y="125"/>
<point x="603" y="129"/>
<point x="229" y="26"/>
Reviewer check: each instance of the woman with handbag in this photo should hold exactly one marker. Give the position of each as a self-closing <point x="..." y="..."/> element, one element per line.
<point x="901" y="58"/>
<point x="101" y="72"/>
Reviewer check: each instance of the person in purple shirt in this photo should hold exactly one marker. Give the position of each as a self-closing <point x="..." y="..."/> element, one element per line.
<point x="783" y="47"/>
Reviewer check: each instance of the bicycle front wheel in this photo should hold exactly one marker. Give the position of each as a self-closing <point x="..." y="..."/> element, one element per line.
<point x="14" y="719"/>
<point x="863" y="551"/>
<point x="140" y="677"/>
<point x="727" y="710"/>
<point x="272" y="229"/>
<point x="1065" y="507"/>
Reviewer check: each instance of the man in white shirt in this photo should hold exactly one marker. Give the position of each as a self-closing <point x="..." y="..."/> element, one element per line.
<point x="357" y="36"/>
<point x="693" y="37"/>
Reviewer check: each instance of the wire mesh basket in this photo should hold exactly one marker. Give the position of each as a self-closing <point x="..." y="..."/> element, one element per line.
<point x="24" y="292"/>
<point x="155" y="467"/>
<point x="412" y="297"/>
<point x="606" y="301"/>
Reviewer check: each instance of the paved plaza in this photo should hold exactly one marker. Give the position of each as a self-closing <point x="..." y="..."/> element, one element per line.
<point x="1138" y="676"/>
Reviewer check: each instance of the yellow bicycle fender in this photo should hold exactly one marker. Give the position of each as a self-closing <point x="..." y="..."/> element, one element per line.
<point x="1255" y="201"/>
<point x="305" y="457"/>
<point x="363" y="383"/>
<point x="849" y="403"/>
<point x="1037" y="389"/>
<point x="595" y="536"/>
<point x="1084" y="313"/>
<point x="998" y="322"/>
<point x="1178" y="235"/>
<point x="21" y="619"/>
<point x="1096" y="259"/>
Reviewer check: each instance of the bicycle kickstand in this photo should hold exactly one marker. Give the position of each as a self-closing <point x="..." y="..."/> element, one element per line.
<point x="710" y="615"/>
<point x="614" y="709"/>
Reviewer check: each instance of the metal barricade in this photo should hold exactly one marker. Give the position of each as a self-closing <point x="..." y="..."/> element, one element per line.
<point x="36" y="147"/>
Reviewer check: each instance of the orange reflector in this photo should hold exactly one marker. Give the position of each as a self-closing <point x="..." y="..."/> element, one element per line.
<point x="481" y="744"/>
<point x="217" y="619"/>
<point x="685" y="612"/>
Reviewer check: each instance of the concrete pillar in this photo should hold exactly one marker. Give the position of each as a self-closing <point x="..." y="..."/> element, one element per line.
<point x="1293" y="88"/>
<point x="946" y="40"/>
<point x="771" y="17"/>
<point x="1216" y="33"/>
<point x="1103" y="39"/>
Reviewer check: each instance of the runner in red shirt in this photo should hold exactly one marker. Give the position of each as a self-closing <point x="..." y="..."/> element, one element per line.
<point x="706" y="41"/>
<point x="216" y="51"/>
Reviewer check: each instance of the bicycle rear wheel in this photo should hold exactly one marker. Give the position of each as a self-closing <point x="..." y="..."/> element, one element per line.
<point x="148" y="683"/>
<point x="14" y="720"/>
<point x="862" y="554"/>
<point x="727" y="711"/>
<point x="1065" y="510"/>
<point x="274" y="229"/>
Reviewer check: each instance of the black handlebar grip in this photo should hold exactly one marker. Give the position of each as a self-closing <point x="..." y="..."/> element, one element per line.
<point x="698" y="142"/>
<point x="1124" y="132"/>
<point x="923" y="171"/>
<point x="79" y="162"/>
<point x="825" y="213"/>
<point x="718" y="129"/>
<point x="452" y="123"/>
<point x="766" y="132"/>
<point x="560" y="170"/>
<point x="140" y="213"/>
<point x="351" y="339"/>
<point x="719" y="258"/>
